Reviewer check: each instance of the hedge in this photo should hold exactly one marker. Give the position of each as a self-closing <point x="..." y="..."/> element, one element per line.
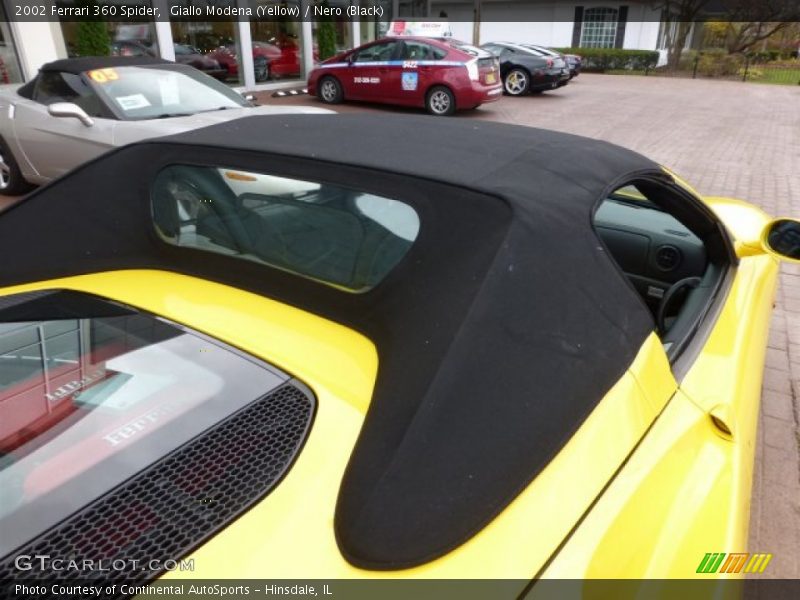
<point x="606" y="59"/>
<point x="764" y="56"/>
<point x="717" y="62"/>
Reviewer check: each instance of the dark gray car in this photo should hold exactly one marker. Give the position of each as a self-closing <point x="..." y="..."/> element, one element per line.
<point x="524" y="70"/>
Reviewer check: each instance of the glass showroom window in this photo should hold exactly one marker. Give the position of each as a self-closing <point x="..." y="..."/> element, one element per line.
<point x="116" y="38"/>
<point x="277" y="48"/>
<point x="599" y="28"/>
<point x="413" y="8"/>
<point x="211" y="46"/>
<point x="9" y="64"/>
<point x="330" y="36"/>
<point x="374" y="28"/>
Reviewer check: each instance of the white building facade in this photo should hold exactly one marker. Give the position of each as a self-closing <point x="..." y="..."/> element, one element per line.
<point x="283" y="51"/>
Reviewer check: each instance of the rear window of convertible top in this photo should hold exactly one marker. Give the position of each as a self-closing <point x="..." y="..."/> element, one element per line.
<point x="93" y="392"/>
<point x="333" y="234"/>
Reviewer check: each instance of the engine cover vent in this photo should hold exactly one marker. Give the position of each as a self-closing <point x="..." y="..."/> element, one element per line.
<point x="176" y="504"/>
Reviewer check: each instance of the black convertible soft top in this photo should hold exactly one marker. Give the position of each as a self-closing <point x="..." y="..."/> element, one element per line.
<point x="82" y="64"/>
<point x="498" y="333"/>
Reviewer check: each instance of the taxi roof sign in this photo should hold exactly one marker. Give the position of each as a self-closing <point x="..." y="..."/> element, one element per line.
<point x="419" y="28"/>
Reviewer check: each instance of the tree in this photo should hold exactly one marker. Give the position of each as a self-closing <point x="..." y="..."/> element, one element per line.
<point x="93" y="39"/>
<point x="679" y="15"/>
<point x="750" y="22"/>
<point x="715" y="34"/>
<point x="326" y="35"/>
<point x="741" y="37"/>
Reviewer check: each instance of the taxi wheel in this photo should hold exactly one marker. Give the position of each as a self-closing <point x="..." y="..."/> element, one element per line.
<point x="517" y="82"/>
<point x="330" y="90"/>
<point x="440" y="101"/>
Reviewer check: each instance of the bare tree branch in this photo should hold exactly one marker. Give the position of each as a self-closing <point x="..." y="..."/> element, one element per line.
<point x="678" y="17"/>
<point x="743" y="36"/>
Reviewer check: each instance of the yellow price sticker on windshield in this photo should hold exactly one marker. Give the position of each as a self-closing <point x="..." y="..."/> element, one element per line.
<point x="103" y="75"/>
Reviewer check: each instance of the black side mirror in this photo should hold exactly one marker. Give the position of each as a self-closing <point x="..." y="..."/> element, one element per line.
<point x="781" y="238"/>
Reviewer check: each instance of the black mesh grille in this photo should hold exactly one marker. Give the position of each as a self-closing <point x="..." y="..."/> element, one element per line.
<point x="177" y="503"/>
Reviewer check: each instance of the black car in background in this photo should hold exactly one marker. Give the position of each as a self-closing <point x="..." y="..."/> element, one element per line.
<point x="574" y="62"/>
<point x="524" y="70"/>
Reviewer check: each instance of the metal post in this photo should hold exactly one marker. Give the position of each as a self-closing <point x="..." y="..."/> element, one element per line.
<point x="476" y="24"/>
<point x="163" y="29"/>
<point x="247" y="74"/>
<point x="694" y="67"/>
<point x="307" y="35"/>
<point x="355" y="28"/>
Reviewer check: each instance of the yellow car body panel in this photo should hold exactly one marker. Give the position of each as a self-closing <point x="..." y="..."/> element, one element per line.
<point x="334" y="357"/>
<point x="644" y="488"/>
<point x="665" y="510"/>
<point x="290" y="533"/>
<point x="686" y="490"/>
<point x="745" y="221"/>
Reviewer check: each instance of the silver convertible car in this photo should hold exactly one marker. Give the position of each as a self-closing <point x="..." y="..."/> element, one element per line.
<point x="76" y="109"/>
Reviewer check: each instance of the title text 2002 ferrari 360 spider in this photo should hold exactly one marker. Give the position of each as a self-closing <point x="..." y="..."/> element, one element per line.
<point x="287" y="355"/>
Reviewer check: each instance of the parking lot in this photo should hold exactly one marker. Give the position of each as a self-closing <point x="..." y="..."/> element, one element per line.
<point x="727" y="139"/>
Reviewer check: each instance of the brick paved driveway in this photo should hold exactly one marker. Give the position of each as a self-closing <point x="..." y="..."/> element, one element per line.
<point x="727" y="139"/>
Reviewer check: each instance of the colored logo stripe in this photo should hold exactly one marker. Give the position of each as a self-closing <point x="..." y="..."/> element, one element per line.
<point x="713" y="562"/>
<point x="710" y="562"/>
<point x="734" y="563"/>
<point x="758" y="563"/>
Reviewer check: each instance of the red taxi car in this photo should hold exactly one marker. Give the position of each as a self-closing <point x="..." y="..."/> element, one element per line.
<point x="441" y="74"/>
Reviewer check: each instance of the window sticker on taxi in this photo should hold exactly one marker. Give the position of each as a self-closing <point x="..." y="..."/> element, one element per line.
<point x="410" y="81"/>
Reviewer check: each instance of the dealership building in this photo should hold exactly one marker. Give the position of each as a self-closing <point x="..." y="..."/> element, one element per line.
<point x="285" y="49"/>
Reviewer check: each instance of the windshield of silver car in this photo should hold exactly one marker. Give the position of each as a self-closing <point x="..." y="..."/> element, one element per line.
<point x="146" y="92"/>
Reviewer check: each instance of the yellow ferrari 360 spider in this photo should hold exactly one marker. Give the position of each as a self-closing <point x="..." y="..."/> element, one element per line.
<point x="360" y="346"/>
